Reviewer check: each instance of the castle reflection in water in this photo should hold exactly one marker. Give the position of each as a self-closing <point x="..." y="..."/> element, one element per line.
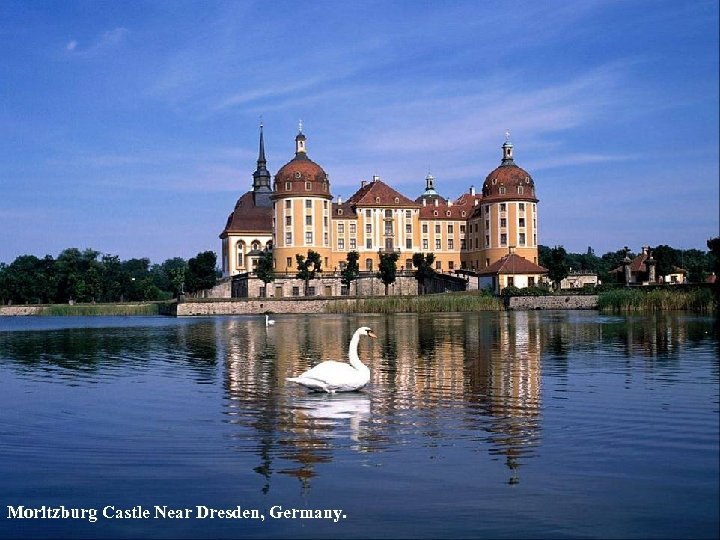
<point x="479" y="372"/>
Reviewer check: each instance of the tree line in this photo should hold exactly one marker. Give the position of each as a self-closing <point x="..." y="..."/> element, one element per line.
<point x="698" y="264"/>
<point x="89" y="276"/>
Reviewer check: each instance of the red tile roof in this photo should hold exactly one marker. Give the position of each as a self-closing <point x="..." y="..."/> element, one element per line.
<point x="377" y="193"/>
<point x="248" y="218"/>
<point x="512" y="264"/>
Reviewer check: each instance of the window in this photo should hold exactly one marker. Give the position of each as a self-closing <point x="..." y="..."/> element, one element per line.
<point x="308" y="186"/>
<point x="462" y="229"/>
<point x="353" y="228"/>
<point x="476" y="243"/>
<point x="503" y="239"/>
<point x="451" y="265"/>
<point x="408" y="264"/>
<point x="368" y="228"/>
<point x="408" y="243"/>
<point x="521" y="206"/>
<point x="510" y="281"/>
<point x="503" y="222"/>
<point x="388" y="244"/>
<point x="240" y="254"/>
<point x="425" y="244"/>
<point x="368" y="243"/>
<point x="487" y="263"/>
<point x="308" y="220"/>
<point x="520" y="190"/>
<point x="502" y="190"/>
<point x="424" y="228"/>
<point x="288" y="262"/>
<point x="340" y="212"/>
<point x="311" y="291"/>
<point x="288" y="220"/>
<point x="487" y="241"/>
<point x="451" y="244"/>
<point x="437" y="228"/>
<point x="521" y="238"/>
<point x="503" y="207"/>
<point x="368" y="264"/>
<point x="344" y="291"/>
<point x="296" y="291"/>
<point x="388" y="214"/>
<point x="263" y="292"/>
<point x="325" y="205"/>
<point x="288" y="186"/>
<point x="437" y="243"/>
<point x="487" y="225"/>
<point x="408" y="214"/>
<point x="368" y="213"/>
<point x="288" y="238"/>
<point x="531" y="281"/>
<point x="521" y="222"/>
<point x="353" y="244"/>
<point x="326" y="241"/>
<point x="341" y="228"/>
<point x="438" y="265"/>
<point x="451" y="229"/>
<point x="325" y="221"/>
<point x="408" y="228"/>
<point x="288" y="204"/>
<point x="476" y="226"/>
<point x="308" y="238"/>
<point x="308" y="204"/>
<point x="463" y="244"/>
<point x="388" y="228"/>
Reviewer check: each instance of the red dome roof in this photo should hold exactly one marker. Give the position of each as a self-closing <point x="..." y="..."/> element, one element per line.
<point x="509" y="182"/>
<point x="301" y="175"/>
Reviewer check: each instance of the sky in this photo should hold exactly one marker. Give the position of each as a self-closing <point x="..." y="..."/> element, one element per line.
<point x="132" y="127"/>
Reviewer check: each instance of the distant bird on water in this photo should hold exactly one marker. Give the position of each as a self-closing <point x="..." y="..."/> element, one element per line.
<point x="268" y="320"/>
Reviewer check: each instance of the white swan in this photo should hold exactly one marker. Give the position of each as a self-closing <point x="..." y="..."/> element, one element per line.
<point x="331" y="376"/>
<point x="268" y="320"/>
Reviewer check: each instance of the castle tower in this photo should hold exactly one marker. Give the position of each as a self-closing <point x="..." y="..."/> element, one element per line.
<point x="301" y="210"/>
<point x="506" y="218"/>
<point x="261" y="177"/>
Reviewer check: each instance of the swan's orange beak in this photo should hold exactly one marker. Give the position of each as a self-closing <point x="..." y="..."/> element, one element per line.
<point x="371" y="334"/>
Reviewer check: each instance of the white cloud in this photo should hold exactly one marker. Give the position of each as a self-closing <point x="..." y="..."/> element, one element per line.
<point x="106" y="40"/>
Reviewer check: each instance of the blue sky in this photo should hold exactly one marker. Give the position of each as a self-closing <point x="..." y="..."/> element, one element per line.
<point x="132" y="127"/>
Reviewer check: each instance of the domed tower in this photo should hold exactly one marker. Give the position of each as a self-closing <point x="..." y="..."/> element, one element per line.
<point x="301" y="210"/>
<point x="506" y="219"/>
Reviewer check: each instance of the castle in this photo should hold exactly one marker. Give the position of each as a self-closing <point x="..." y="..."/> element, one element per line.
<point x="479" y="233"/>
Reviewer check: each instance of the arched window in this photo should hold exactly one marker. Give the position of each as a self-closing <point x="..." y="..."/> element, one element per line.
<point x="368" y="264"/>
<point x="240" y="250"/>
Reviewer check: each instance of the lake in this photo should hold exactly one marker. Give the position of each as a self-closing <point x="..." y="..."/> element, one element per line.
<point x="543" y="424"/>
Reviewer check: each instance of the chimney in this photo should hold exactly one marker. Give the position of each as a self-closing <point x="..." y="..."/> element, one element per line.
<point x="363" y="183"/>
<point x="436" y="202"/>
<point x="477" y="202"/>
<point x="424" y="202"/>
<point x="450" y="203"/>
<point x="472" y="190"/>
<point x="375" y="178"/>
<point x="339" y="199"/>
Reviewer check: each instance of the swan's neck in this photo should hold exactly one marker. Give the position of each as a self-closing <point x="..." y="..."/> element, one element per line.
<point x="353" y="353"/>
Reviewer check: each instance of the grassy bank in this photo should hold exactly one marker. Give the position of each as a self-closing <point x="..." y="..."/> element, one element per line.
<point x="436" y="303"/>
<point x="641" y="300"/>
<point x="144" y="308"/>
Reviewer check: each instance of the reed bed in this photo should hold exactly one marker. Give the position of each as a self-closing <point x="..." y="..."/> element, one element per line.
<point x="145" y="308"/>
<point x="635" y="300"/>
<point x="436" y="303"/>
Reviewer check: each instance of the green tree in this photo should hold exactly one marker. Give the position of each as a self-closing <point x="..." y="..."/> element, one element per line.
<point x="307" y="268"/>
<point x="201" y="273"/>
<point x="388" y="269"/>
<point x="558" y="268"/>
<point x="714" y="246"/>
<point x="424" y="269"/>
<point x="173" y="271"/>
<point x="351" y="271"/>
<point x="666" y="259"/>
<point x="79" y="275"/>
<point x="265" y="270"/>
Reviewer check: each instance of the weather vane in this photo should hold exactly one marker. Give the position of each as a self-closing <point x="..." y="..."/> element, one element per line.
<point x="507" y="135"/>
<point x="300" y="125"/>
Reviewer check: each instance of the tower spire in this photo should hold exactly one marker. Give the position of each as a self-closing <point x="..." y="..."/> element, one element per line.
<point x="261" y="176"/>
<point x="507" y="149"/>
<point x="300" y="150"/>
<point x="261" y="162"/>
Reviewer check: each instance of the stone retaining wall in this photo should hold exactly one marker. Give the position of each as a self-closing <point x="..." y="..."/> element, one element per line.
<point x="253" y="306"/>
<point x="552" y="302"/>
<point x="14" y="311"/>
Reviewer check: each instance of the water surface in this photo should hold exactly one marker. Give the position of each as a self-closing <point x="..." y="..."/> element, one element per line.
<point x="493" y="425"/>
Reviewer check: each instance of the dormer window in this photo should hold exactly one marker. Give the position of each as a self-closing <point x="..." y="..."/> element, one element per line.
<point x="494" y="181"/>
<point x="288" y="186"/>
<point x="297" y="174"/>
<point x="447" y="213"/>
<point x="340" y="212"/>
<point x="501" y="190"/>
<point x="308" y="186"/>
<point x="435" y="212"/>
<point x="463" y="213"/>
<point x="377" y="199"/>
<point x="397" y="200"/>
<point x="520" y="190"/>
